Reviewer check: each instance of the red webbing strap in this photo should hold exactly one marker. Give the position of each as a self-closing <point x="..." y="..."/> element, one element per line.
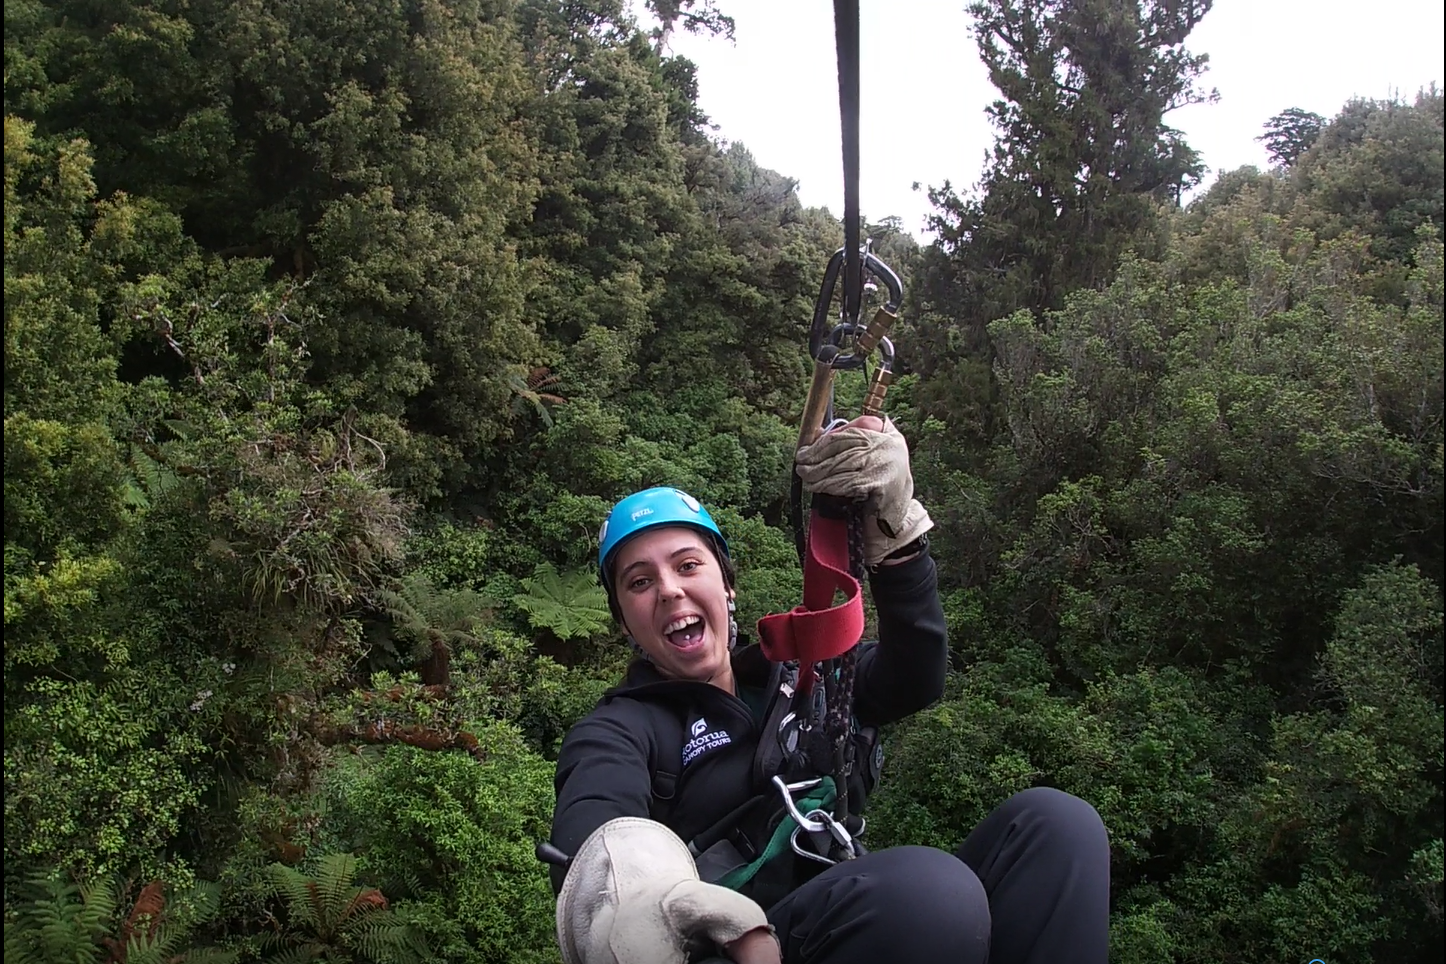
<point x="818" y="630"/>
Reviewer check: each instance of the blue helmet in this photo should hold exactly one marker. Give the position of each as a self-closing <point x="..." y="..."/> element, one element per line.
<point x="659" y="506"/>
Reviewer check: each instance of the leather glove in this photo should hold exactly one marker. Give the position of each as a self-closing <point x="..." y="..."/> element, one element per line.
<point x="632" y="895"/>
<point x="858" y="463"/>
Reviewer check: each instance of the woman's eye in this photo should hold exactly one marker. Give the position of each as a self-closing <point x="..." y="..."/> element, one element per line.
<point x="688" y="566"/>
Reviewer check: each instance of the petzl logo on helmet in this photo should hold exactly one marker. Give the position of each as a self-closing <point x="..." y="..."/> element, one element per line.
<point x="640" y="513"/>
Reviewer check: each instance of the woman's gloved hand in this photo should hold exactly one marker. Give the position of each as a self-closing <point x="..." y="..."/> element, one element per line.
<point x="868" y="460"/>
<point x="632" y="895"/>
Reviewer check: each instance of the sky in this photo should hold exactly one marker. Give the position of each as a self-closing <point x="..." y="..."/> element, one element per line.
<point x="924" y="90"/>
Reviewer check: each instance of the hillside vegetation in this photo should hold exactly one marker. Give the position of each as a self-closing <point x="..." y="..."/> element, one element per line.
<point x="333" y="327"/>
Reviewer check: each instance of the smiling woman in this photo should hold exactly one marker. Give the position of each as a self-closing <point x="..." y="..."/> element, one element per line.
<point x="699" y="751"/>
<point x="674" y="603"/>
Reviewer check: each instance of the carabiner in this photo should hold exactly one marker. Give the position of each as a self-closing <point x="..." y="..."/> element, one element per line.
<point x="804" y="851"/>
<point x="819" y="332"/>
<point x="787" y="790"/>
<point x="841" y="837"/>
<point x="847" y="346"/>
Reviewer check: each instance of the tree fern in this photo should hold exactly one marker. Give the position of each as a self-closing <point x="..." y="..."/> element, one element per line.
<point x="433" y="622"/>
<point x="59" y="923"/>
<point x="530" y="390"/>
<point x="82" y="924"/>
<point x="147" y="478"/>
<point x="571" y="605"/>
<point x="330" y="917"/>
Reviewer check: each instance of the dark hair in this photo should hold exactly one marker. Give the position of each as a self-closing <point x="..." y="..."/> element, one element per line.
<point x="730" y="575"/>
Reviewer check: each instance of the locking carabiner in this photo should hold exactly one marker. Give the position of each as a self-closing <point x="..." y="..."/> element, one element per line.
<point x="847" y="345"/>
<point x="820" y="330"/>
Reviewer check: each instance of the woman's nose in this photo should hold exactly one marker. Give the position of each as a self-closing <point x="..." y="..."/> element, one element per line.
<point x="669" y="586"/>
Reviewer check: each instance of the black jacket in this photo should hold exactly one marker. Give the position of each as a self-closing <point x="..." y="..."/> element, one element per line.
<point x="608" y="759"/>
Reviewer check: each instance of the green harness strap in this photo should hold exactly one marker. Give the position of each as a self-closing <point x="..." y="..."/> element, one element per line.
<point x="822" y="798"/>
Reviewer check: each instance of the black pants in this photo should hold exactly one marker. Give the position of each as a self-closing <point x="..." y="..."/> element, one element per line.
<point x="1031" y="885"/>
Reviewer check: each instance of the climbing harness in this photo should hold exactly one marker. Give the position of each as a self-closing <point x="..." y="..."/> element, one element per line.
<point x="821" y="637"/>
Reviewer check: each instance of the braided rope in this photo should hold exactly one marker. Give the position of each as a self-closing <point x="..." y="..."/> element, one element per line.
<point x="840" y="682"/>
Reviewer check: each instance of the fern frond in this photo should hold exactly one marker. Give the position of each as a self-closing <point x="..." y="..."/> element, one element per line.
<point x="397" y="604"/>
<point x="391" y="941"/>
<point x="163" y="948"/>
<point x="572" y="605"/>
<point x="53" y="925"/>
<point x="210" y="955"/>
<point x="199" y="902"/>
<point x="304" y="954"/>
<point x="295" y="889"/>
<point x="102" y="898"/>
<point x="182" y="429"/>
<point x="18" y="947"/>
<point x="334" y="887"/>
<point x="541" y="378"/>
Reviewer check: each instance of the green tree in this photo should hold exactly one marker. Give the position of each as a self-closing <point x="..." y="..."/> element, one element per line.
<point x="695" y="16"/>
<point x="1083" y="166"/>
<point x="99" y="745"/>
<point x="1377" y="168"/>
<point x="1083" y="155"/>
<point x="1290" y="134"/>
<point x="462" y="833"/>
<point x="378" y="152"/>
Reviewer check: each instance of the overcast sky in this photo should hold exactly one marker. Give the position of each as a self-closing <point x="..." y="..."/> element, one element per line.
<point x="924" y="90"/>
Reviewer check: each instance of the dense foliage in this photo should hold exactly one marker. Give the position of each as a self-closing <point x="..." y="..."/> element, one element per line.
<point x="333" y="326"/>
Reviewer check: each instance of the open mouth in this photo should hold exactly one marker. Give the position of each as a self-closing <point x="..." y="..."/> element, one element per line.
<point x="685" y="632"/>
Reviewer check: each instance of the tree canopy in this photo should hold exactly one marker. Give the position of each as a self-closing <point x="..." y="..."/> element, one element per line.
<point x="332" y="329"/>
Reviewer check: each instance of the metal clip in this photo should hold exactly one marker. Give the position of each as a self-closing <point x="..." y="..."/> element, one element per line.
<point x="788" y="790"/>
<point x="847" y="345"/>
<point x="815" y="821"/>
<point x="789" y="734"/>
<point x="835" y="830"/>
<point x="804" y="851"/>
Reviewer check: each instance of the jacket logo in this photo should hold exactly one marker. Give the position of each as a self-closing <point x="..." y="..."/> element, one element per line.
<point x="703" y="741"/>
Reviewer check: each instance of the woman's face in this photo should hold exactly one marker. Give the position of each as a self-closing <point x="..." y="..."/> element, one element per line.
<point x="674" y="602"/>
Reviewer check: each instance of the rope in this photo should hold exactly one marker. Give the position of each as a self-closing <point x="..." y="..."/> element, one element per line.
<point x="846" y="43"/>
<point x="840" y="717"/>
<point x="840" y="672"/>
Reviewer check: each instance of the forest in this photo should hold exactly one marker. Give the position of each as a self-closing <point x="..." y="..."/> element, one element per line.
<point x="334" y="327"/>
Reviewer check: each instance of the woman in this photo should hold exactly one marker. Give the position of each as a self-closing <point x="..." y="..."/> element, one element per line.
<point x="1030" y="884"/>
